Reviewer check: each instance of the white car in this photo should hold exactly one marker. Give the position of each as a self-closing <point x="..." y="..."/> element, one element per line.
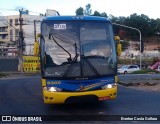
<point x="128" y="69"/>
<point x="158" y="69"/>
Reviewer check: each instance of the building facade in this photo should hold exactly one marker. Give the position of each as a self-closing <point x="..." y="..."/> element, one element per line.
<point x="9" y="32"/>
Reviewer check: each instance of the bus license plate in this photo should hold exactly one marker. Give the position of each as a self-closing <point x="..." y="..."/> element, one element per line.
<point x="103" y="98"/>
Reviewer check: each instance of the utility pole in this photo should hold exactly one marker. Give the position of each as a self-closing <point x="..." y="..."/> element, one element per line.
<point x="21" y="38"/>
<point x="36" y="43"/>
<point x="35" y="30"/>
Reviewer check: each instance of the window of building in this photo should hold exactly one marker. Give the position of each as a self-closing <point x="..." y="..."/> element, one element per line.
<point x="16" y="21"/>
<point x="16" y="33"/>
<point x="11" y="35"/>
<point x="3" y="36"/>
<point x="11" y="21"/>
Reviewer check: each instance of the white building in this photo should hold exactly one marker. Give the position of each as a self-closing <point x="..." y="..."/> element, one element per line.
<point x="9" y="30"/>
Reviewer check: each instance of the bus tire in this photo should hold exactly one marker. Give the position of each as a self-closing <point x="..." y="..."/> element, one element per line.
<point x="125" y="72"/>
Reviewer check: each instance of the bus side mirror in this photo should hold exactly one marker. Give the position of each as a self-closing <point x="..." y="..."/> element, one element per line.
<point x="119" y="46"/>
<point x="38" y="35"/>
<point x="36" y="46"/>
<point x="119" y="49"/>
<point x="117" y="38"/>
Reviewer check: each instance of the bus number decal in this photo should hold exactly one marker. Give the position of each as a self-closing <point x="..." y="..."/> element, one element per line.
<point x="59" y="26"/>
<point x="54" y="82"/>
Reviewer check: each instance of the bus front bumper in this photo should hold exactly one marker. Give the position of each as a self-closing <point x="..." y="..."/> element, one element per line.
<point x="74" y="97"/>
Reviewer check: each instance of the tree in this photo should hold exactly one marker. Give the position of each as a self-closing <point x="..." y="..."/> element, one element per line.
<point x="157" y="27"/>
<point x="88" y="10"/>
<point x="103" y="14"/>
<point x="114" y="19"/>
<point x="80" y="11"/>
<point x="96" y="13"/>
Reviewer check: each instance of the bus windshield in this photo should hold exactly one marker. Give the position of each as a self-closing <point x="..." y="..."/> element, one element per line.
<point x="77" y="49"/>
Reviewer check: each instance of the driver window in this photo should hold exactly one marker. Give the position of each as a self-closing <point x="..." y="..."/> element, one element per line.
<point x="129" y="67"/>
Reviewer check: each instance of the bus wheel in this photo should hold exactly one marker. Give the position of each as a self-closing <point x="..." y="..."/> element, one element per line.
<point x="125" y="72"/>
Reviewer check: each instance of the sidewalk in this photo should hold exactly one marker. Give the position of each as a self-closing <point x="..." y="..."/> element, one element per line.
<point x="139" y="81"/>
<point x="17" y="74"/>
<point x="145" y="84"/>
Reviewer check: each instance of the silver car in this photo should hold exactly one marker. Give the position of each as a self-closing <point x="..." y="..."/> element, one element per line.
<point x="128" y="69"/>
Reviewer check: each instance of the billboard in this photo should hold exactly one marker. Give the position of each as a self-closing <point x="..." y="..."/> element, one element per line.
<point x="31" y="63"/>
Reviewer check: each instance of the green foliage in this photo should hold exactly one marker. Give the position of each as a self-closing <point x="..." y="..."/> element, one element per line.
<point x="148" y="27"/>
<point x="103" y="14"/>
<point x="79" y="11"/>
<point x="96" y="13"/>
<point x="88" y="10"/>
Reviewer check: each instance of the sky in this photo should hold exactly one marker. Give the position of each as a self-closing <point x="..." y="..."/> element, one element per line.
<point x="151" y="8"/>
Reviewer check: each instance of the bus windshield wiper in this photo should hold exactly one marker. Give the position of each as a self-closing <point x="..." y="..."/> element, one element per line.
<point x="96" y="56"/>
<point x="70" y="58"/>
<point x="89" y="63"/>
<point x="73" y="61"/>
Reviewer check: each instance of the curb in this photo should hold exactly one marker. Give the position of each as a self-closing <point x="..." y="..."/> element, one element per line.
<point x="137" y="84"/>
<point x="16" y="74"/>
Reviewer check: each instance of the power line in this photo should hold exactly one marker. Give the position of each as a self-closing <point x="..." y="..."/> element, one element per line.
<point x="8" y="22"/>
<point x="35" y="12"/>
<point x="18" y="10"/>
<point x="5" y="22"/>
<point x="7" y="9"/>
<point x="2" y="21"/>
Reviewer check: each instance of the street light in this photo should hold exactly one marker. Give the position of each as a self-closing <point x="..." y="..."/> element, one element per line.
<point x="139" y="38"/>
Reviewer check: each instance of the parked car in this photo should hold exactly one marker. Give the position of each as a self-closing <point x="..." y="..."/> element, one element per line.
<point x="158" y="69"/>
<point x="128" y="69"/>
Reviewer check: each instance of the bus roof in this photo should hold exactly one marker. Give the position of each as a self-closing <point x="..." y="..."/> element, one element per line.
<point x="86" y="18"/>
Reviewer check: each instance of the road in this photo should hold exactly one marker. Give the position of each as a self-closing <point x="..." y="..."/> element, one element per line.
<point x="23" y="96"/>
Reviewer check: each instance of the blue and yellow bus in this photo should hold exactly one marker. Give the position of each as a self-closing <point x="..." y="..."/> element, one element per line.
<point x="78" y="59"/>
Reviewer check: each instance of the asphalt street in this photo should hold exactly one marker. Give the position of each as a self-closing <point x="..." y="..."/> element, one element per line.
<point x="23" y="96"/>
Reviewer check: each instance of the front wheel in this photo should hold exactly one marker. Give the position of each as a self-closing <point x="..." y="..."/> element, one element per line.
<point x="125" y="72"/>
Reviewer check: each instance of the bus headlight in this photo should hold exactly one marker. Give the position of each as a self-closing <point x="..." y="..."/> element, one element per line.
<point x="109" y="86"/>
<point x="52" y="89"/>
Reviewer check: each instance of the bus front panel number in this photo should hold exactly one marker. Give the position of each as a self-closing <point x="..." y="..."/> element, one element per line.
<point x="59" y="26"/>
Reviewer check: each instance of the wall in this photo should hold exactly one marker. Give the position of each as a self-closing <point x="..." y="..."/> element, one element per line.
<point x="8" y="64"/>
